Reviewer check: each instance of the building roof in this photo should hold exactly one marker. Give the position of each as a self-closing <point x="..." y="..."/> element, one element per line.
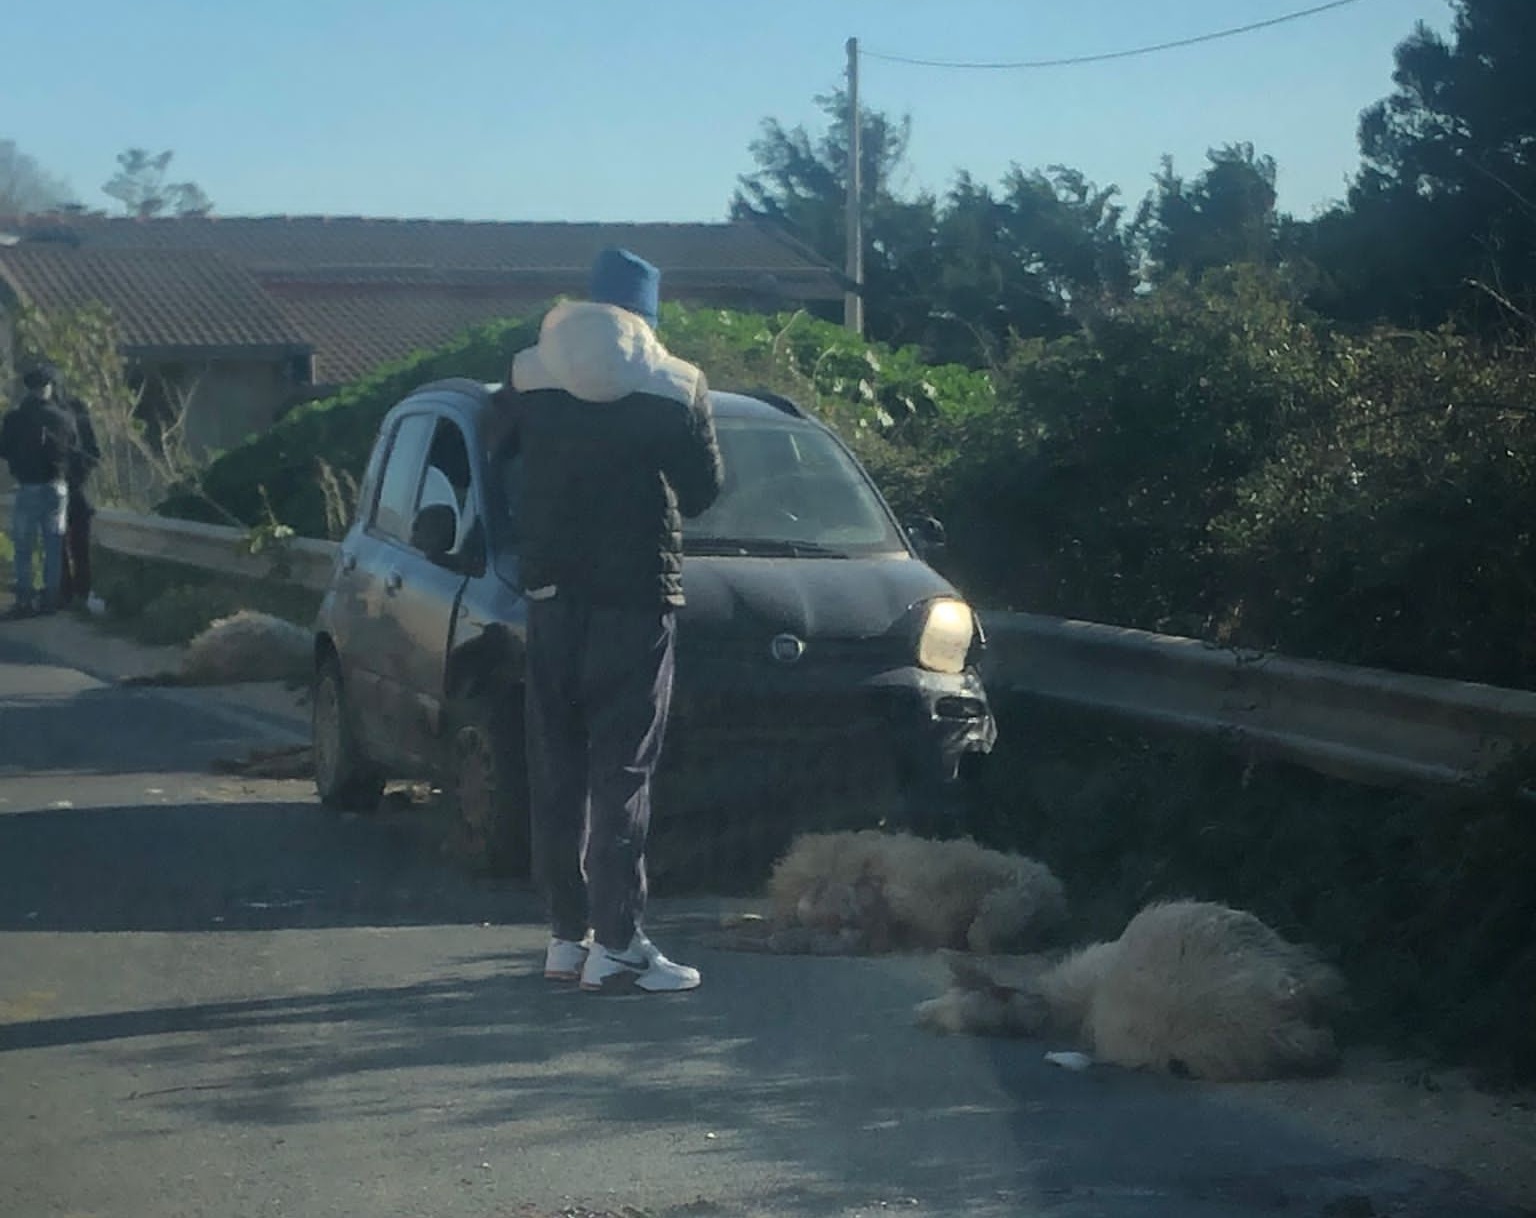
<point x="189" y="301"/>
<point x="363" y="292"/>
<point x="357" y="330"/>
<point x="340" y="243"/>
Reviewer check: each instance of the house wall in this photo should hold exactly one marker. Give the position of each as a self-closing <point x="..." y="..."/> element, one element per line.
<point x="226" y="401"/>
<point x="235" y="400"/>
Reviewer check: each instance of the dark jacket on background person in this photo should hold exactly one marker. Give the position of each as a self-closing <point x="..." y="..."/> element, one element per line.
<point x="618" y="445"/>
<point x="87" y="453"/>
<point x="38" y="440"/>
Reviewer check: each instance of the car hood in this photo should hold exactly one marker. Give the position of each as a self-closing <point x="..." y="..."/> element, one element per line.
<point x="829" y="598"/>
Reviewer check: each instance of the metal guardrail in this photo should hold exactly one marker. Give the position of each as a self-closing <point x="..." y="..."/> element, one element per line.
<point x="1364" y="724"/>
<point x="301" y="561"/>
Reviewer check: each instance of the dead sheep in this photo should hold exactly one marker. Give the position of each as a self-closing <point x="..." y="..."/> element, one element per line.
<point x="872" y="891"/>
<point x="1190" y="988"/>
<point x="248" y="646"/>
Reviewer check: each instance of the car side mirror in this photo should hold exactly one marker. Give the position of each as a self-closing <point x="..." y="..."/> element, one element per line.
<point x="434" y="531"/>
<point x="926" y="534"/>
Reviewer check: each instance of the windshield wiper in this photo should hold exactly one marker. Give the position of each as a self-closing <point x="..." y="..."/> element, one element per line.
<point x="757" y="547"/>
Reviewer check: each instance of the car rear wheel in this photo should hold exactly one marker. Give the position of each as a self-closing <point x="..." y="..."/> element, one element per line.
<point x="344" y="778"/>
<point x="488" y="779"/>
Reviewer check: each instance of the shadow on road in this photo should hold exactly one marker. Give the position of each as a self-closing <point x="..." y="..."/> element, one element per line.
<point x="806" y="1075"/>
<point x="235" y="866"/>
<point x="800" y="1083"/>
<point x="110" y="730"/>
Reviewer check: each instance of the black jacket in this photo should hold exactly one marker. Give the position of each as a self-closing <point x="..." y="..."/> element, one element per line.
<point x="87" y="454"/>
<point x="617" y="441"/>
<point x="38" y="440"/>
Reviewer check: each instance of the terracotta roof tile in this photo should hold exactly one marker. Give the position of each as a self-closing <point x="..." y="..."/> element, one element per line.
<point x="315" y="243"/>
<point x="358" y="330"/>
<point x="160" y="300"/>
<point x="365" y="292"/>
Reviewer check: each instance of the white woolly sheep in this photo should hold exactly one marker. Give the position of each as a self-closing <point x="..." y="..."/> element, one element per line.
<point x="1190" y="988"/>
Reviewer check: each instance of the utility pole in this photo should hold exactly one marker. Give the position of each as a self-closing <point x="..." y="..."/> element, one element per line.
<point x="853" y="301"/>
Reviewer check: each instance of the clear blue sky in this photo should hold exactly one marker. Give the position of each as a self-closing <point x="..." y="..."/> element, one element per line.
<point x="606" y="110"/>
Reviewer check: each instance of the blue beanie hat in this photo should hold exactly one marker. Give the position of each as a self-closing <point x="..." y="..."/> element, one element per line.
<point x="628" y="281"/>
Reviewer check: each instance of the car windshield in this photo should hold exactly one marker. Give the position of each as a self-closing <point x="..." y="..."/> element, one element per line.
<point x="789" y="488"/>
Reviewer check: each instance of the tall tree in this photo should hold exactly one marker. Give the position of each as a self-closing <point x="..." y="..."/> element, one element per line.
<point x="1032" y="259"/>
<point x="1224" y="217"/>
<point x="25" y="186"/>
<point x="1069" y="235"/>
<point x="801" y="179"/>
<point x="801" y="185"/>
<point x="140" y="186"/>
<point x="1441" y="220"/>
<point x="956" y="276"/>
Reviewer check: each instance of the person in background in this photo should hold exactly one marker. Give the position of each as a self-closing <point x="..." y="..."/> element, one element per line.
<point x="38" y="440"/>
<point x="618" y="443"/>
<point x="75" y="585"/>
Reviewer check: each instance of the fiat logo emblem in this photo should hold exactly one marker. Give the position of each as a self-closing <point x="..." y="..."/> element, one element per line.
<point x="786" y="648"/>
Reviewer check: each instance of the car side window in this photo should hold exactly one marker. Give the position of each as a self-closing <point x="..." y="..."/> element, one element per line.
<point x="448" y="477"/>
<point x="396" y="506"/>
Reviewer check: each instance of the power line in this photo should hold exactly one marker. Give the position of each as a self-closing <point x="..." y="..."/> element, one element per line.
<point x="1074" y="60"/>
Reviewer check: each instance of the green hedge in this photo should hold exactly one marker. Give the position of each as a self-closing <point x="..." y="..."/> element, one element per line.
<point x="280" y="470"/>
<point x="866" y="390"/>
<point x="1215" y="461"/>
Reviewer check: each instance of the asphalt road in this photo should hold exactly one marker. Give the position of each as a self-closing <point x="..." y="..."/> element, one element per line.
<point x="218" y="999"/>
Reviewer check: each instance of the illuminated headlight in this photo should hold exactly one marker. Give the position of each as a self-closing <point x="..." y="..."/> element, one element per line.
<point x="946" y="638"/>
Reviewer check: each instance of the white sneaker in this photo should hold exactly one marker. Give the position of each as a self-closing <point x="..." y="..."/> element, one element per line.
<point x="640" y="965"/>
<point x="564" y="959"/>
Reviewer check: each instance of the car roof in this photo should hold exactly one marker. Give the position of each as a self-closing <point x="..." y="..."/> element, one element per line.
<point x="759" y="404"/>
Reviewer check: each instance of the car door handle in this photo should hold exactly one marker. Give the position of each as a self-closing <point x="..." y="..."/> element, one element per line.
<point x="392" y="581"/>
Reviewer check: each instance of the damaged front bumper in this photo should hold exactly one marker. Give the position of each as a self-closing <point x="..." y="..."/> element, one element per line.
<point x="892" y="734"/>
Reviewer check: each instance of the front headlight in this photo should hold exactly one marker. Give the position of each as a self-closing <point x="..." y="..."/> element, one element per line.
<point x="945" y="641"/>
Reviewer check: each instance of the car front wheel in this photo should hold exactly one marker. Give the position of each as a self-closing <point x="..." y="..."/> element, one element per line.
<point x="344" y="778"/>
<point x="487" y="777"/>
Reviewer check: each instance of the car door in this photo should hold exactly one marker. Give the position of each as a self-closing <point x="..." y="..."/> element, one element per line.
<point x="421" y="596"/>
<point x="367" y="558"/>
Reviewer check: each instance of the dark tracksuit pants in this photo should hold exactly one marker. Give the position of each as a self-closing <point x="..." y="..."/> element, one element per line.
<point x="598" y="687"/>
<point x="76" y="585"/>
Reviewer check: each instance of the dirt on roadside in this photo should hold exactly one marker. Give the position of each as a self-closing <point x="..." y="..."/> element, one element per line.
<point x="1384" y="1108"/>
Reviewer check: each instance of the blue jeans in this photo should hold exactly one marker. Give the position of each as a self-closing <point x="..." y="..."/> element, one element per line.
<point x="39" y="510"/>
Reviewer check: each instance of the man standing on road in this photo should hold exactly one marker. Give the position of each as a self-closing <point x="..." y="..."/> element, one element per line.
<point x="618" y="444"/>
<point x="38" y="441"/>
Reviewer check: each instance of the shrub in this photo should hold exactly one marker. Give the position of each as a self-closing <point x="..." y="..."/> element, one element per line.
<point x="1214" y="461"/>
<point x="1399" y="527"/>
<point x="865" y="390"/>
<point x="280" y="473"/>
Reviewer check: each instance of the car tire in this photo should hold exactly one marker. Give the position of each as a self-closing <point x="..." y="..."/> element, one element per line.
<point x="487" y="777"/>
<point x="344" y="778"/>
